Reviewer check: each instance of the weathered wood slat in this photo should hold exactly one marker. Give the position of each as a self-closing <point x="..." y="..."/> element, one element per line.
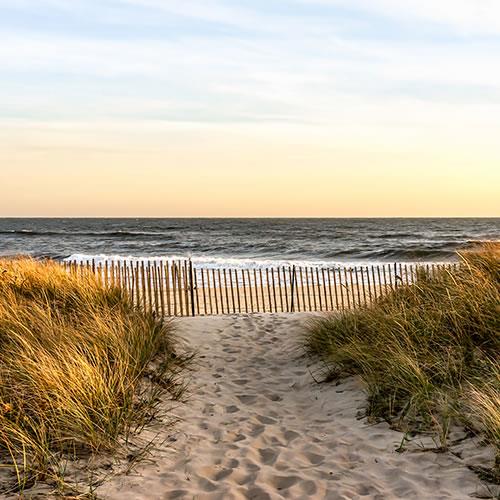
<point x="302" y="289"/>
<point x="249" y="290"/>
<point x="244" y="287"/>
<point x="194" y="273"/>
<point x="262" y="292"/>
<point x="288" y="307"/>
<point x="226" y="290"/>
<point x="280" y="288"/>
<point x="256" y="289"/>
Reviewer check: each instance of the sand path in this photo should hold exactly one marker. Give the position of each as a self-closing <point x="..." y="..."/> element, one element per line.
<point x="257" y="426"/>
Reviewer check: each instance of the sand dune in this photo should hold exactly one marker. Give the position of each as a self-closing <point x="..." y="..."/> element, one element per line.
<point x="257" y="426"/>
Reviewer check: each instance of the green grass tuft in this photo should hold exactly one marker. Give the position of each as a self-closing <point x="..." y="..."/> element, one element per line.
<point x="428" y="352"/>
<point x="75" y="359"/>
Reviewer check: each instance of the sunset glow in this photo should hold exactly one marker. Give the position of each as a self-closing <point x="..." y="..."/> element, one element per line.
<point x="313" y="108"/>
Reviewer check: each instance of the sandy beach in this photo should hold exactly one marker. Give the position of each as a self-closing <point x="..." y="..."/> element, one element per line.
<point x="256" y="425"/>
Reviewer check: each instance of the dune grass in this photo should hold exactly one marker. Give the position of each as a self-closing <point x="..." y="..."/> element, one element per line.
<point x="75" y="361"/>
<point x="429" y="352"/>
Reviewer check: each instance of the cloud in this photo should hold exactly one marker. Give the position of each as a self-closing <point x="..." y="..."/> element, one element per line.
<point x="467" y="17"/>
<point x="278" y="66"/>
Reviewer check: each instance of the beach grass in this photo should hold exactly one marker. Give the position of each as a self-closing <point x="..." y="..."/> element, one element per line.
<point x="427" y="352"/>
<point x="81" y="368"/>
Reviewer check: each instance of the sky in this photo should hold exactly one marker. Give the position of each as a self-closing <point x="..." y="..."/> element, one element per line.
<point x="333" y="108"/>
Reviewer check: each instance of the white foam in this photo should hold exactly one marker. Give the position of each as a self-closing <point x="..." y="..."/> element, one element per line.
<point x="207" y="262"/>
<point x="212" y="262"/>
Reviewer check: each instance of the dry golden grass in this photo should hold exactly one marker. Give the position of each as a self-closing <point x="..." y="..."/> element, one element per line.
<point x="427" y="352"/>
<point x="73" y="363"/>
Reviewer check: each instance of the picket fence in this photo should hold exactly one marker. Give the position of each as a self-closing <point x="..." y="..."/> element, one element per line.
<point x="179" y="288"/>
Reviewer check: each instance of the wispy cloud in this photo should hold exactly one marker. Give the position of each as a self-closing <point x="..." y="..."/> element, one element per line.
<point x="323" y="62"/>
<point x="466" y="17"/>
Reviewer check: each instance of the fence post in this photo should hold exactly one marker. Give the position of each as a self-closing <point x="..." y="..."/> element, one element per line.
<point x="293" y="286"/>
<point x="191" y="286"/>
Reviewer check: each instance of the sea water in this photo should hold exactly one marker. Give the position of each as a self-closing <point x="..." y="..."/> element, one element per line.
<point x="242" y="243"/>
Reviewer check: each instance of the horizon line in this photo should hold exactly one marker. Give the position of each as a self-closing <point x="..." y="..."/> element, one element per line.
<point x="250" y="217"/>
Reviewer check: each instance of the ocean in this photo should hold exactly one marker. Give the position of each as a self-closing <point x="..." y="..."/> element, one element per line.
<point x="241" y="243"/>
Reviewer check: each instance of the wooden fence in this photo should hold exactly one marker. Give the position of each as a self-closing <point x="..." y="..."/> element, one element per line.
<point x="180" y="289"/>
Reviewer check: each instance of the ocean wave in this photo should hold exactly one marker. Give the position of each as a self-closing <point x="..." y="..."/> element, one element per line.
<point x="473" y="243"/>
<point x="212" y="262"/>
<point x="392" y="254"/>
<point x="414" y="251"/>
<point x="106" y="234"/>
<point x="393" y="236"/>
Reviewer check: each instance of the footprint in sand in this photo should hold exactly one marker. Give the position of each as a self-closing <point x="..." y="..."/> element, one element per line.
<point x="265" y="420"/>
<point x="256" y="493"/>
<point x="238" y="438"/>
<point x="232" y="463"/>
<point x="274" y="397"/>
<point x="268" y="455"/>
<point x="207" y="485"/>
<point x="221" y="474"/>
<point x="257" y="430"/>
<point x="231" y="350"/>
<point x="172" y="495"/>
<point x="291" y="435"/>
<point x="247" y="399"/>
<point x="284" y="482"/>
<point x="308" y="487"/>
<point x="314" y="458"/>
<point x="240" y="381"/>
